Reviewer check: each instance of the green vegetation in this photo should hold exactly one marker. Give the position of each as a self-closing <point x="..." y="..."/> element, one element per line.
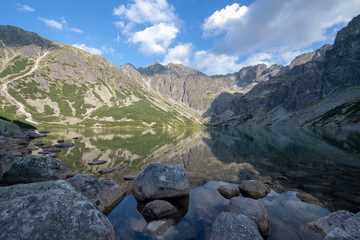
<point x="17" y="65"/>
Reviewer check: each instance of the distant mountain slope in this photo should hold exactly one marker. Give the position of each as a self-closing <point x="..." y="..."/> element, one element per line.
<point x="314" y="91"/>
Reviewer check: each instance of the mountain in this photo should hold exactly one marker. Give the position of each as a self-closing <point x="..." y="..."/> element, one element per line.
<point x="46" y="82"/>
<point x="317" y="89"/>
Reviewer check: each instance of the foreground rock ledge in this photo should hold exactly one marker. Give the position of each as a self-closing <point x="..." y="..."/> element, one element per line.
<point x="159" y="181"/>
<point x="50" y="210"/>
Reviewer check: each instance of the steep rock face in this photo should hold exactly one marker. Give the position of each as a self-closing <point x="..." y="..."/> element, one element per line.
<point x="315" y="93"/>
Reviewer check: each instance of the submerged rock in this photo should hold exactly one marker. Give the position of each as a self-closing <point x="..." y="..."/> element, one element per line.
<point x="253" y="189"/>
<point x="229" y="191"/>
<point x="254" y="210"/>
<point x="104" y="193"/>
<point x="158" y="209"/>
<point x="50" y="210"/>
<point x="159" y="181"/>
<point x="348" y="230"/>
<point x="36" y="168"/>
<point x="158" y="227"/>
<point x="232" y="226"/>
<point x="325" y="225"/>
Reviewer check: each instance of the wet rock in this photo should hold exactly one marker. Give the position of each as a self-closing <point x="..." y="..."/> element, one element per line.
<point x="325" y="225"/>
<point x="158" y="209"/>
<point x="64" y="145"/>
<point x="129" y="178"/>
<point x="106" y="170"/>
<point x="232" y="226"/>
<point x="253" y="189"/>
<point x="348" y="230"/>
<point x="104" y="193"/>
<point x="36" y="168"/>
<point x="254" y="210"/>
<point x="99" y="162"/>
<point x="159" y="181"/>
<point x="60" y="141"/>
<point x="229" y="191"/>
<point x="50" y="210"/>
<point x="158" y="227"/>
<point x="44" y="132"/>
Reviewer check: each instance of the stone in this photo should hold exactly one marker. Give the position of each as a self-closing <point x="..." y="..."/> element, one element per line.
<point x="158" y="227"/>
<point x="232" y="226"/>
<point x="229" y="191"/>
<point x="53" y="149"/>
<point x="60" y="141"/>
<point x="253" y="189"/>
<point x="9" y="128"/>
<point x="39" y="144"/>
<point x="158" y="209"/>
<point x="36" y="168"/>
<point x="348" y="230"/>
<point x="44" y="152"/>
<point x="64" y="145"/>
<point x="159" y="181"/>
<point x="129" y="178"/>
<point x="75" y="138"/>
<point x="99" y="162"/>
<point x="1" y="172"/>
<point x="325" y="225"/>
<point x="280" y="178"/>
<point x="44" y="132"/>
<point x="106" y="170"/>
<point x="254" y="210"/>
<point x="50" y="210"/>
<point x="105" y="194"/>
<point x="6" y="159"/>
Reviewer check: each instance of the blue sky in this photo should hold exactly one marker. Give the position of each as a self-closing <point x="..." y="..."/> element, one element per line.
<point x="213" y="36"/>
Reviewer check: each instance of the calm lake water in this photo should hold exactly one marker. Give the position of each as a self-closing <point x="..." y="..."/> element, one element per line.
<point x="322" y="167"/>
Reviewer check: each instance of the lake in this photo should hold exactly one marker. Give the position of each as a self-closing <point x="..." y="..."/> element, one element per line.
<point x="322" y="167"/>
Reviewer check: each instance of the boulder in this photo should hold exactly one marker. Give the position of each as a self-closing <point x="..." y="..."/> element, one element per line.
<point x="348" y="230"/>
<point x="50" y="210"/>
<point x="325" y="225"/>
<point x="229" y="191"/>
<point x="105" y="194"/>
<point x="129" y="178"/>
<point x="232" y="226"/>
<point x="253" y="189"/>
<point x="159" y="181"/>
<point x="158" y="209"/>
<point x="6" y="159"/>
<point x="254" y="210"/>
<point x="36" y="168"/>
<point x="9" y="128"/>
<point x="99" y="162"/>
<point x="158" y="227"/>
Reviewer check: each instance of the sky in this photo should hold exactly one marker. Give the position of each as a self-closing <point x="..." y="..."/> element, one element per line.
<point x="213" y="36"/>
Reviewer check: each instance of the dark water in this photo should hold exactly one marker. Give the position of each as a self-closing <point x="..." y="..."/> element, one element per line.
<point x="322" y="167"/>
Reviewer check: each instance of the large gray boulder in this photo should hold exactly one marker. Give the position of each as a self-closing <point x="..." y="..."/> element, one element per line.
<point x="254" y="210"/>
<point x="50" y="210"/>
<point x="325" y="225"/>
<point x="232" y="226"/>
<point x="348" y="230"/>
<point x="36" y="168"/>
<point x="9" y="128"/>
<point x="104" y="193"/>
<point x="253" y="189"/>
<point x="159" y="181"/>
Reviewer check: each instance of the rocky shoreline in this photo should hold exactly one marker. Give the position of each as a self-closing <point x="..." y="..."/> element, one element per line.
<point x="40" y="198"/>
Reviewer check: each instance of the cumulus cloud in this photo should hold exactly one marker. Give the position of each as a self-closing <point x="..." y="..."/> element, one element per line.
<point x="272" y="31"/>
<point x="74" y="29"/>
<point x="91" y="50"/>
<point x="181" y="54"/>
<point x="155" y="39"/>
<point x="25" y="8"/>
<point x="52" y="23"/>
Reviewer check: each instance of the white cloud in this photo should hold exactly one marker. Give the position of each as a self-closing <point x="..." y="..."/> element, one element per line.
<point x="181" y="54"/>
<point x="25" y="8"/>
<point x="143" y="11"/>
<point x="74" y="29"/>
<point x="91" y="50"/>
<point x="155" y="39"/>
<point x="216" y="63"/>
<point x="220" y="20"/>
<point x="52" y="23"/>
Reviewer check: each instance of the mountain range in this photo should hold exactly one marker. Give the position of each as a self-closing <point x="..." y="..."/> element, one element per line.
<point x="54" y="84"/>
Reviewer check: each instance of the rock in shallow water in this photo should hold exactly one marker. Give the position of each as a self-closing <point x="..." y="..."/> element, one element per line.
<point x="104" y="193"/>
<point x="99" y="162"/>
<point x="159" y="181"/>
<point x="158" y="227"/>
<point x="229" y="191"/>
<point x="232" y="226"/>
<point x="36" y="168"/>
<point x="348" y="230"/>
<point x="253" y="189"/>
<point x="50" y="210"/>
<point x="254" y="210"/>
<point x="158" y="209"/>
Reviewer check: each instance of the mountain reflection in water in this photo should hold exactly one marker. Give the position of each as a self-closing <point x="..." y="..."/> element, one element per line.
<point x="322" y="168"/>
